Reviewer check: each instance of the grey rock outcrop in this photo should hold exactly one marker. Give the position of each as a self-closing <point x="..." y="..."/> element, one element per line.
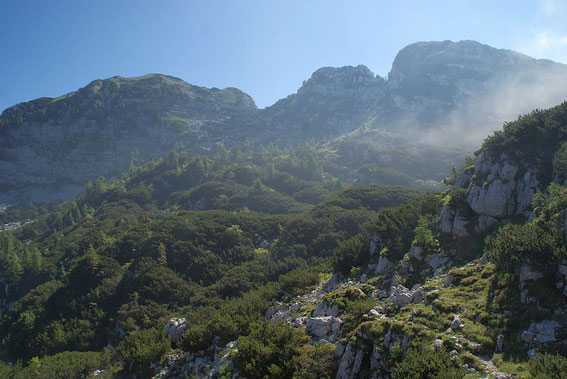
<point x="383" y="265"/>
<point x="498" y="193"/>
<point x="324" y="309"/>
<point x="400" y="295"/>
<point x="541" y="332"/>
<point x="350" y="362"/>
<point x="327" y="326"/>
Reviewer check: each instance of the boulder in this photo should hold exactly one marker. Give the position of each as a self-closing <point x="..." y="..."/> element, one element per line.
<point x="322" y="326"/>
<point x="464" y="179"/>
<point x="400" y="295"/>
<point x="541" y="332"/>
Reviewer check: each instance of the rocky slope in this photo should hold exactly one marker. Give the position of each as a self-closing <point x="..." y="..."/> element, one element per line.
<point x="436" y="91"/>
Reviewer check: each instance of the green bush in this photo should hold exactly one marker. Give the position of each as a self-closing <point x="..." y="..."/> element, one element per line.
<point x="544" y="366"/>
<point x="142" y="347"/>
<point x="270" y="350"/>
<point x="421" y="362"/>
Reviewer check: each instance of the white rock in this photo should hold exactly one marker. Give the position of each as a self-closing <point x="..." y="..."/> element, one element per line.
<point x="321" y="326"/>
<point x="437" y="344"/>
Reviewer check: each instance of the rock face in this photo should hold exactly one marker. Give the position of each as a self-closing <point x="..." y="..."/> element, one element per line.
<point x="500" y="191"/>
<point x="328" y="326"/>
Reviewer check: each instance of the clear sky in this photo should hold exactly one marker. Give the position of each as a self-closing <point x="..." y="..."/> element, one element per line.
<point x="266" y="48"/>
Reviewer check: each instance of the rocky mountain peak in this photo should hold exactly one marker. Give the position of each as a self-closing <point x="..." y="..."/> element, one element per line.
<point x="341" y="80"/>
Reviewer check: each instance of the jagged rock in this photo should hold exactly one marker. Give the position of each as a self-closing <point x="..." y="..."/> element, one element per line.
<point x="357" y="363"/>
<point x="383" y="265"/>
<point x="278" y="312"/>
<point x="345" y="363"/>
<point x="406" y="267"/>
<point x="448" y="281"/>
<point x="437" y="344"/>
<point x="339" y="350"/>
<point x="175" y="328"/>
<point x="400" y="296"/>
<point x="363" y="278"/>
<point x="456" y="323"/>
<point x="416" y="252"/>
<point x="324" y="309"/>
<point x="376" y="362"/>
<point x="376" y="244"/>
<point x="532" y="353"/>
<point x="542" y="332"/>
<point x="273" y="309"/>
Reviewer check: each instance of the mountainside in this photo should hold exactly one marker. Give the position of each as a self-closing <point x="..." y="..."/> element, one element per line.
<point x="440" y="93"/>
<point x="189" y="266"/>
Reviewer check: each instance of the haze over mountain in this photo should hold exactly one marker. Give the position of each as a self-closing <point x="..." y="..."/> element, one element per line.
<point x="437" y="93"/>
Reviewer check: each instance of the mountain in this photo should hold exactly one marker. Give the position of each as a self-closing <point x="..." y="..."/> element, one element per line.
<point x="436" y="94"/>
<point x="170" y="272"/>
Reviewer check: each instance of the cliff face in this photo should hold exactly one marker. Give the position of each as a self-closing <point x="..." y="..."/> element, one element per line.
<point x="496" y="190"/>
<point x="441" y="92"/>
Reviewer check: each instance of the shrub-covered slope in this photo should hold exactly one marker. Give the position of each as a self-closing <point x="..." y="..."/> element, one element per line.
<point x="133" y="279"/>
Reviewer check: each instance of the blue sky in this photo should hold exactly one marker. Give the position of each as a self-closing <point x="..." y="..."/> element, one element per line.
<point x="266" y="48"/>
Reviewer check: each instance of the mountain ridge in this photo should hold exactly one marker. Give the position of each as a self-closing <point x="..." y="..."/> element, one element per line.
<point x="439" y="92"/>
